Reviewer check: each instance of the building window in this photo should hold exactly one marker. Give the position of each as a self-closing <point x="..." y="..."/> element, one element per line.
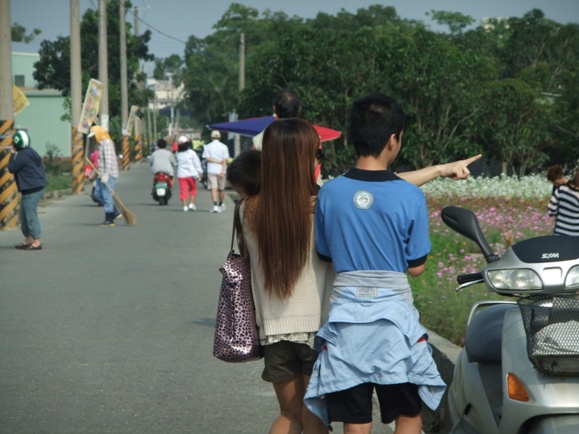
<point x="19" y="80"/>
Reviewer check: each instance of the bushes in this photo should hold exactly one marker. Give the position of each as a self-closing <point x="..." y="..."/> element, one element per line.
<point x="57" y="168"/>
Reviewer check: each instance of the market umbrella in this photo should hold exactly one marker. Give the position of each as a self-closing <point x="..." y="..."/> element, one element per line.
<point x="251" y="127"/>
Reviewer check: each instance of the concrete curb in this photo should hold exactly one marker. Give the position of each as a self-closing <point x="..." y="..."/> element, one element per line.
<point x="56" y="194"/>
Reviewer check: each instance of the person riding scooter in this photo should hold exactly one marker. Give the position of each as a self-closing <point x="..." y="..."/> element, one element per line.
<point x="162" y="161"/>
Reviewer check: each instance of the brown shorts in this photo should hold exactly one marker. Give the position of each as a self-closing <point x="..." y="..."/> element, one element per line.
<point x="285" y="360"/>
<point x="355" y="405"/>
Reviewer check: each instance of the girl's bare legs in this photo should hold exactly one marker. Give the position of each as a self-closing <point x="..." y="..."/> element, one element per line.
<point x="290" y="396"/>
<point x="294" y="417"/>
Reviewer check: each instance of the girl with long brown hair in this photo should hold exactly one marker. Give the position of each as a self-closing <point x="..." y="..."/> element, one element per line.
<point x="288" y="278"/>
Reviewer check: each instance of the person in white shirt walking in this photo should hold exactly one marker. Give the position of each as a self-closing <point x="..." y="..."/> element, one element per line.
<point x="188" y="170"/>
<point x="216" y="154"/>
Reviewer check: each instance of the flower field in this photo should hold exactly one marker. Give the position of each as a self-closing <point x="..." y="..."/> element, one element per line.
<point x="508" y="209"/>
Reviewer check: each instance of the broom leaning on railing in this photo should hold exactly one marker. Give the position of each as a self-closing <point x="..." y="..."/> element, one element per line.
<point x="128" y="215"/>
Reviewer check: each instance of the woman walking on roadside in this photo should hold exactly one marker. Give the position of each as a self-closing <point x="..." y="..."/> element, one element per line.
<point x="288" y="278"/>
<point x="26" y="165"/>
<point x="188" y="170"/>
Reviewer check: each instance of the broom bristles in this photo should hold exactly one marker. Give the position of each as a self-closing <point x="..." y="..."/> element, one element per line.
<point x="128" y="215"/>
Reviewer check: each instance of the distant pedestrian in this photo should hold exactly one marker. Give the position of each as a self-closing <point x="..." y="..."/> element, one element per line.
<point x="564" y="206"/>
<point x="26" y="165"/>
<point x="188" y="171"/>
<point x="216" y="155"/>
<point x="286" y="104"/>
<point x="108" y="170"/>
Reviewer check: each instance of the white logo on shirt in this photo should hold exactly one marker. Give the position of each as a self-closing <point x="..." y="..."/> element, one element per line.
<point x="363" y="199"/>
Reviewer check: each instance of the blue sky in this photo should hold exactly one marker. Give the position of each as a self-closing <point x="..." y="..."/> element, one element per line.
<point x="173" y="21"/>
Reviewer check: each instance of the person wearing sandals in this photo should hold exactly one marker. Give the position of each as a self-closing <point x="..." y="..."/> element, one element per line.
<point x="26" y="166"/>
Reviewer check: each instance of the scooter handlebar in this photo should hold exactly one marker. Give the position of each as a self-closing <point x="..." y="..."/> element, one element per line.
<point x="466" y="278"/>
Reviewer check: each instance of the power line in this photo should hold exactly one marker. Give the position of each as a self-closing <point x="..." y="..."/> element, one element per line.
<point x="148" y="25"/>
<point x="157" y="30"/>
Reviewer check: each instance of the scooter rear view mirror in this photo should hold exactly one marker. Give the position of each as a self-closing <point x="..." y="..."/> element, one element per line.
<point x="465" y="223"/>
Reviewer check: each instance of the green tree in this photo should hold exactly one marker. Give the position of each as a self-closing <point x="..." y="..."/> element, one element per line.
<point x="18" y="32"/>
<point x="512" y="125"/>
<point x="53" y="68"/>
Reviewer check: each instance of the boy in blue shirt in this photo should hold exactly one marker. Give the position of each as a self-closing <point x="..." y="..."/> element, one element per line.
<point x="373" y="227"/>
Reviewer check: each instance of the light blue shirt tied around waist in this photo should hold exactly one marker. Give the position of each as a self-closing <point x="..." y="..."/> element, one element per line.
<point x="385" y="346"/>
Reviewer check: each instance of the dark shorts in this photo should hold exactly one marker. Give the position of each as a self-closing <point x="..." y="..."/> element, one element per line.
<point x="355" y="405"/>
<point x="285" y="360"/>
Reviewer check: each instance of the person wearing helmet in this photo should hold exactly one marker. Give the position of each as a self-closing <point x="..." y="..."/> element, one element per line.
<point x="26" y="166"/>
<point x="216" y="154"/>
<point x="108" y="170"/>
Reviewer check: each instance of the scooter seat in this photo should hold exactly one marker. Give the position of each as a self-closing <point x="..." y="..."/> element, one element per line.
<point x="484" y="334"/>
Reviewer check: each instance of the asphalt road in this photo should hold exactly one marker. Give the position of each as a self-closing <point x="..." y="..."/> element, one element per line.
<point x="110" y="330"/>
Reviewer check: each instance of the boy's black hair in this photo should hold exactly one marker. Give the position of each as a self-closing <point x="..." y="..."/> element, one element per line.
<point x="243" y="171"/>
<point x="373" y="120"/>
<point x="161" y="143"/>
<point x="287" y="104"/>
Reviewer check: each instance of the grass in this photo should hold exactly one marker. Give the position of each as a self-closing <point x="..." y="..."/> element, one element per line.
<point x="508" y="209"/>
<point x="58" y="172"/>
<point x="58" y="182"/>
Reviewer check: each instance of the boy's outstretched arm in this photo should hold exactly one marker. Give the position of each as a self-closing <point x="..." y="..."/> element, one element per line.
<point x="455" y="170"/>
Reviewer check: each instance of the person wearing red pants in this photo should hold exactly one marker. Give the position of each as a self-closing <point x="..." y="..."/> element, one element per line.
<point x="188" y="171"/>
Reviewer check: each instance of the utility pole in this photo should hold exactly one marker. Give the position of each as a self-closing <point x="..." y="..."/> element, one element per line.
<point x="138" y="122"/>
<point x="9" y="198"/>
<point x="76" y="99"/>
<point x="124" y="88"/>
<point x="103" y="64"/>
<point x="241" y="84"/>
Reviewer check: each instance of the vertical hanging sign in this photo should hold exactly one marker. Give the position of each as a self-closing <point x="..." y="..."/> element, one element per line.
<point x="90" y="107"/>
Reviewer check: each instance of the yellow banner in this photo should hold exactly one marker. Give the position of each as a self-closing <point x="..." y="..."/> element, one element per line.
<point x="91" y="105"/>
<point x="20" y="100"/>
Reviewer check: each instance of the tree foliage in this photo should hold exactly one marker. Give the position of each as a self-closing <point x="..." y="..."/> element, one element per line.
<point x="18" y="33"/>
<point x="506" y="89"/>
<point x="53" y="68"/>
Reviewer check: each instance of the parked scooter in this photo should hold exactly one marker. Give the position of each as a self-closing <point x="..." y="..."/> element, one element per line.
<point x="519" y="369"/>
<point x="162" y="184"/>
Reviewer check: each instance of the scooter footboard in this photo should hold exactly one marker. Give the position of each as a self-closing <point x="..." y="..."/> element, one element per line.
<point x="561" y="424"/>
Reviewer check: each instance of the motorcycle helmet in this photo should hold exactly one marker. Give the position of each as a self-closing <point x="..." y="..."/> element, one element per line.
<point x="21" y="139"/>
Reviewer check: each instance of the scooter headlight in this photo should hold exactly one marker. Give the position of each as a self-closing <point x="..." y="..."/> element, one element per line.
<point x="572" y="279"/>
<point x="515" y="280"/>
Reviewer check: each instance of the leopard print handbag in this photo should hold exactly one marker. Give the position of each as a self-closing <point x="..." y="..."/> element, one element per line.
<point x="236" y="335"/>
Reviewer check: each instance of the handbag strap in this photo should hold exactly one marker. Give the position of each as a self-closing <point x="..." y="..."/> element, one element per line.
<point x="238" y="228"/>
